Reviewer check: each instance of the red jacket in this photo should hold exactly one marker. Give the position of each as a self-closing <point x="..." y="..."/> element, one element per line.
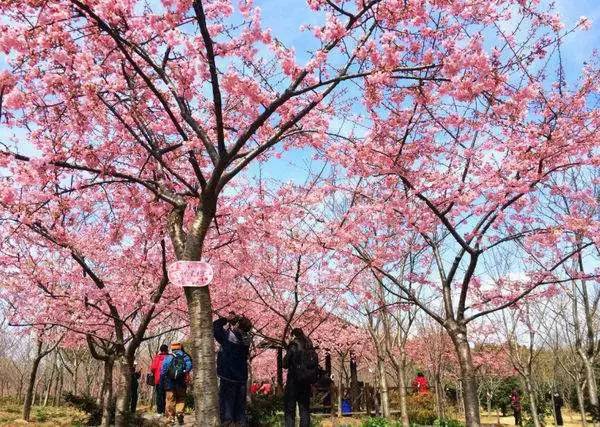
<point x="421" y="385"/>
<point x="156" y="365"/>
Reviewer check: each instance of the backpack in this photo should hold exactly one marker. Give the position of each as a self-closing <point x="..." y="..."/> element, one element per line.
<point x="176" y="368"/>
<point x="307" y="368"/>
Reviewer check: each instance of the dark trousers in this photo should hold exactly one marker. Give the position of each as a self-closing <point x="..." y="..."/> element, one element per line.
<point x="518" y="420"/>
<point x="559" y="418"/>
<point x="159" y="392"/>
<point x="134" y="400"/>
<point x="232" y="402"/>
<point x="296" y="394"/>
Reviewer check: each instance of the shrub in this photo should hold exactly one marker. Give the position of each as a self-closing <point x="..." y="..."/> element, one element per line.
<point x="86" y="404"/>
<point x="41" y="415"/>
<point x="421" y="409"/>
<point x="447" y="422"/>
<point x="380" y="422"/>
<point x="262" y="411"/>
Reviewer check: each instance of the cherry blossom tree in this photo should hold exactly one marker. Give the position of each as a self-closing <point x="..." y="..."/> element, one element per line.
<point x="168" y="102"/>
<point x="463" y="158"/>
<point x="107" y="294"/>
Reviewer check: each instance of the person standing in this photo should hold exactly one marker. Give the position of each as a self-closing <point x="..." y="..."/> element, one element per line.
<point x="135" y="384"/>
<point x="174" y="373"/>
<point x="232" y="366"/>
<point x="159" y="390"/>
<point x="558" y="402"/>
<point x="515" y="402"/>
<point x="302" y="364"/>
<point x="420" y="384"/>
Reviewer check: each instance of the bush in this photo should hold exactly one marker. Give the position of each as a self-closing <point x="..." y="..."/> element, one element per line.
<point x="86" y="404"/>
<point x="262" y="411"/>
<point x="421" y="409"/>
<point x="41" y="415"/>
<point x="447" y="422"/>
<point x="380" y="422"/>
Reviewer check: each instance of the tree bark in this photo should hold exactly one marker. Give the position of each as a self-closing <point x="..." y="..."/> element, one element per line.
<point x="123" y="415"/>
<point x="469" y="386"/>
<point x="402" y="386"/>
<point x="106" y="398"/>
<point x="592" y="386"/>
<point x="354" y="392"/>
<point x="385" y="403"/>
<point x="581" y="404"/>
<point x="532" y="403"/>
<point x="206" y="399"/>
<point x="30" y="387"/>
<point x="279" y="370"/>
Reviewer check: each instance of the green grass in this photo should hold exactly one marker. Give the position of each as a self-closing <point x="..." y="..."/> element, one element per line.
<point x="10" y="415"/>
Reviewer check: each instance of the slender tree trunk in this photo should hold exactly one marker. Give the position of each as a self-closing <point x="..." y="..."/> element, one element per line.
<point x="106" y="398"/>
<point x="340" y="389"/>
<point x="489" y="396"/>
<point x="30" y="389"/>
<point x="354" y="392"/>
<point x="385" y="402"/>
<point x="402" y="386"/>
<point x="592" y="386"/>
<point x="123" y="415"/>
<point x="279" y="387"/>
<point x="532" y="402"/>
<point x="50" y="381"/>
<point x="581" y="404"/>
<point x="20" y="391"/>
<point x="438" y="395"/>
<point x="469" y="386"/>
<point x="58" y="389"/>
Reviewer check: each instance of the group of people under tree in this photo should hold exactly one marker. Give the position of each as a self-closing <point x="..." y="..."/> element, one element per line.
<point x="170" y="374"/>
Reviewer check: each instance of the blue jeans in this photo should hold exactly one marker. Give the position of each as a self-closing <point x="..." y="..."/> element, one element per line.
<point x="232" y="402"/>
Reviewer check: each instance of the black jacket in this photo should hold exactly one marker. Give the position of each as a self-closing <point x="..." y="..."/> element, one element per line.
<point x="232" y="358"/>
<point x="291" y="360"/>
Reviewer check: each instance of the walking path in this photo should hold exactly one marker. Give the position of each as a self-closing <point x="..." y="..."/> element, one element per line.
<point x="155" y="420"/>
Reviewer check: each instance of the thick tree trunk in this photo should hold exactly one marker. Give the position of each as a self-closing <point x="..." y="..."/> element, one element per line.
<point x="30" y="389"/>
<point x="402" y="386"/>
<point x="206" y="398"/>
<point x="469" y="386"/>
<point x="532" y="403"/>
<point x="106" y="398"/>
<point x="123" y="415"/>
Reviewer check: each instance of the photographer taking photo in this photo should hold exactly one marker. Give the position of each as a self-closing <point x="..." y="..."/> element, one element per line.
<point x="232" y="366"/>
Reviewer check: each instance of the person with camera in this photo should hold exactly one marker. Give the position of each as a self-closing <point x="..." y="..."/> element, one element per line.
<point x="233" y="335"/>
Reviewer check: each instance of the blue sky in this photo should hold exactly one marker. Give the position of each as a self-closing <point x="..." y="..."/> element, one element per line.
<point x="285" y="17"/>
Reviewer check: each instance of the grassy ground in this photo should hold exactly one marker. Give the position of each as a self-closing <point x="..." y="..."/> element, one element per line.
<point x="570" y="418"/>
<point x="10" y="415"/>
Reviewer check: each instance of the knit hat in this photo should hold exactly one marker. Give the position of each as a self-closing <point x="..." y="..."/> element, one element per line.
<point x="176" y="346"/>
